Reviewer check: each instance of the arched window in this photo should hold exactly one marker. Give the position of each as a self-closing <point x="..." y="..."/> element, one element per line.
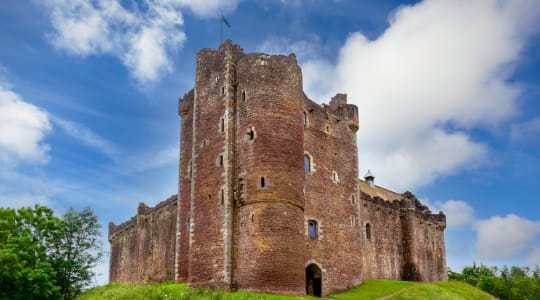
<point x="312" y="229"/>
<point x="368" y="231"/>
<point x="307" y="163"/>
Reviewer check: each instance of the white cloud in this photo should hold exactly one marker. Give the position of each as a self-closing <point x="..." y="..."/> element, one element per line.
<point x="534" y="257"/>
<point x="86" y="136"/>
<point x="23" y="127"/>
<point x="458" y="213"/>
<point x="440" y="69"/>
<point x="209" y="8"/>
<point x="143" y="36"/>
<point x="504" y="237"/>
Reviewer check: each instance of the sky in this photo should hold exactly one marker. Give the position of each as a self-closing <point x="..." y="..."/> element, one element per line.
<point x="447" y="90"/>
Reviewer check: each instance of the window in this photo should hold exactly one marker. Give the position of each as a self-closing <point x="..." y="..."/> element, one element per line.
<point x="244" y="96"/>
<point x="307" y="163"/>
<point x="353" y="200"/>
<point x="222" y="196"/>
<point x="312" y="229"/>
<point x="368" y="231"/>
<point x="305" y="119"/>
<point x="223" y="90"/>
<point x="222" y="125"/>
<point x="250" y="134"/>
<point x="221" y="160"/>
<point x="335" y="177"/>
<point x="353" y="221"/>
<point x="263" y="183"/>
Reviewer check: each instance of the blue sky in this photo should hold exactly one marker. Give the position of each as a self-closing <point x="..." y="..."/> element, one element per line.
<point x="447" y="94"/>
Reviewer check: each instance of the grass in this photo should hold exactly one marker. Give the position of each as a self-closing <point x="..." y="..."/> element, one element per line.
<point x="170" y="291"/>
<point x="373" y="289"/>
<point x="369" y="290"/>
<point x="451" y="290"/>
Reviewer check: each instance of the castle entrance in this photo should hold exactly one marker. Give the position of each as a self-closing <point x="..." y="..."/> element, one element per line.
<point x="313" y="280"/>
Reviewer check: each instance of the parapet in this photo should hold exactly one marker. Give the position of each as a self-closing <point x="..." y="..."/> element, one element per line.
<point x="185" y="104"/>
<point x="142" y="212"/>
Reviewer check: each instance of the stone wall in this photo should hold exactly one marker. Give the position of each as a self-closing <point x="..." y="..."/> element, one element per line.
<point x="143" y="248"/>
<point x="246" y="197"/>
<point x="331" y="192"/>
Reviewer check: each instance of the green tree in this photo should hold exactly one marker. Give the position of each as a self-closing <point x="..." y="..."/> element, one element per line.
<point x="25" y="271"/>
<point x="75" y="251"/>
<point x="46" y="257"/>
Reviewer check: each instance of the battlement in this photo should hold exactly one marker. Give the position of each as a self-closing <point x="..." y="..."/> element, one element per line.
<point x="142" y="212"/>
<point x="258" y="161"/>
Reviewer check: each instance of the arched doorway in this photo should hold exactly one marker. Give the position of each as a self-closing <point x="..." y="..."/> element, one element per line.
<point x="313" y="280"/>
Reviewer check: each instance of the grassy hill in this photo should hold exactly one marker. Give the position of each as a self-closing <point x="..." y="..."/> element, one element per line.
<point x="369" y="290"/>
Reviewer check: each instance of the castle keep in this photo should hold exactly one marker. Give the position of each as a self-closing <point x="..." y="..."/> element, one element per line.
<point x="269" y="197"/>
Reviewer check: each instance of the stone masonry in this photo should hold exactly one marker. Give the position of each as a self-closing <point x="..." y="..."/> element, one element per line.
<point x="269" y="197"/>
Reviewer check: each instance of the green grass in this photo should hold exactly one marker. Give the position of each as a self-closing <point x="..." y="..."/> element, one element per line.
<point x="170" y="291"/>
<point x="373" y="289"/>
<point x="451" y="290"/>
<point x="369" y="290"/>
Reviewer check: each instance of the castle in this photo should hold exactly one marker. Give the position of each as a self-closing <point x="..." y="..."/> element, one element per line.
<point x="269" y="197"/>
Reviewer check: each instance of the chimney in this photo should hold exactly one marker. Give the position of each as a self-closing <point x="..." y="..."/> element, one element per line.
<point x="370" y="178"/>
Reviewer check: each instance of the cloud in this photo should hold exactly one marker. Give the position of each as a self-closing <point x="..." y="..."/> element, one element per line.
<point x="458" y="213"/>
<point x="534" y="257"/>
<point x="504" y="237"/>
<point x="144" y="37"/>
<point x="86" y="136"/>
<point x="23" y="126"/>
<point x="440" y="69"/>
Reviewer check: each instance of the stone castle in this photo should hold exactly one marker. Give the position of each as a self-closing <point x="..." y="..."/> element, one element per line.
<point x="269" y="197"/>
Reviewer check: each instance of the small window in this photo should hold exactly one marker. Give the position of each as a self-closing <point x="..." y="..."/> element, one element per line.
<point x="305" y="119"/>
<point x="222" y="196"/>
<point x="244" y="96"/>
<point x="307" y="163"/>
<point x="312" y="229"/>
<point x="353" y="221"/>
<point x="335" y="177"/>
<point x="250" y="134"/>
<point x="353" y="200"/>
<point x="368" y="231"/>
<point x="222" y="127"/>
<point x="221" y="160"/>
<point x="223" y="90"/>
<point x="263" y="183"/>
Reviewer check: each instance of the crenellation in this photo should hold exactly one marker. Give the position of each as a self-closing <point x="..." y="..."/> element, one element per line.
<point x="268" y="193"/>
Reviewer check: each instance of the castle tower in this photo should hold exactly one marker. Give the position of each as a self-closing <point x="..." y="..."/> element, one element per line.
<point x="241" y="157"/>
<point x="269" y="155"/>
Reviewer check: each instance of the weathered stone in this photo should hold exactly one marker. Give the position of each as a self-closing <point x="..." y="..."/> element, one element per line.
<point x="246" y="198"/>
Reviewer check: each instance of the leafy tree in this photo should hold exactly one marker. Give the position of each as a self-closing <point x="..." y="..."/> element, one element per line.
<point x="504" y="283"/>
<point x="25" y="271"/>
<point x="46" y="257"/>
<point x="75" y="251"/>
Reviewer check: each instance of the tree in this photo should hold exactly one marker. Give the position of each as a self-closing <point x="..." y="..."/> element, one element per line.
<point x="46" y="257"/>
<point x="25" y="271"/>
<point x="76" y="250"/>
